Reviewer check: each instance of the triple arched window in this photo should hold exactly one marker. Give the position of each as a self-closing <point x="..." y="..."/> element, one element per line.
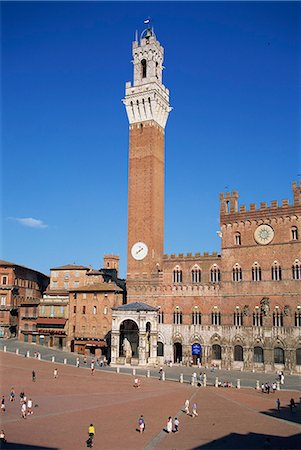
<point x="276" y="271"/>
<point x="196" y="274"/>
<point x="196" y="316"/>
<point x="215" y="317"/>
<point x="296" y="270"/>
<point x="277" y="318"/>
<point x="177" y="275"/>
<point x="298" y="317"/>
<point x="177" y="317"/>
<point x="215" y="274"/>
<point x="237" y="273"/>
<point x="256" y="272"/>
<point x="160" y="316"/>
<point x="238" y="317"/>
<point x="257" y="317"/>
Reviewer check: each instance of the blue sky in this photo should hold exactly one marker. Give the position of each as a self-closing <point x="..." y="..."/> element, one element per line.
<point x="233" y="70"/>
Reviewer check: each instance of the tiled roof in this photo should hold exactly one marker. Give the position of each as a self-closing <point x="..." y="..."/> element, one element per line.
<point x="50" y="291"/>
<point x="95" y="287"/>
<point x="136" y="306"/>
<point x="10" y="264"/>
<point x="71" y="267"/>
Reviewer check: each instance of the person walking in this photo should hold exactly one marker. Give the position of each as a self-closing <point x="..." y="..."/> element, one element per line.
<point x="29" y="407"/>
<point x="77" y="362"/>
<point x="278" y="404"/>
<point x="91" y="430"/>
<point x="141" y="424"/>
<point x="2" y="437"/>
<point x="194" y="410"/>
<point x="33" y="376"/>
<point x="169" y="425"/>
<point x="23" y="410"/>
<point x="176" y="424"/>
<point x="187" y="406"/>
<point x="12" y="395"/>
<point x="3" y="405"/>
<point x="92" y="367"/>
<point x="292" y="404"/>
<point x="160" y="373"/>
<point x="55" y="373"/>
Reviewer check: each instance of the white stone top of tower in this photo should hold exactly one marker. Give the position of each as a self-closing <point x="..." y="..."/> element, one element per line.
<point x="147" y="98"/>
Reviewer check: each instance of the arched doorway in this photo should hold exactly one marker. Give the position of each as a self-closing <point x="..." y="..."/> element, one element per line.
<point x="177" y="352"/>
<point x="129" y="340"/>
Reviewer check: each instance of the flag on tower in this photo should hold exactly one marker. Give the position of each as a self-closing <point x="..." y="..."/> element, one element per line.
<point x="147" y="20"/>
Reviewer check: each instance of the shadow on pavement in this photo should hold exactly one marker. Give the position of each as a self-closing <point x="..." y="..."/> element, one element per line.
<point x="286" y="413"/>
<point x="18" y="446"/>
<point x="254" y="441"/>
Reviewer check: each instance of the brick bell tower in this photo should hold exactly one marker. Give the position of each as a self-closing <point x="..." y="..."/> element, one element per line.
<point x="147" y="107"/>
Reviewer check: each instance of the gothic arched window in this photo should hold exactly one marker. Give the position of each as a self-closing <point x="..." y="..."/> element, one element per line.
<point x="296" y="270"/>
<point x="238" y="353"/>
<point x="294" y="233"/>
<point x="236" y="273"/>
<point x="257" y="317"/>
<point x="196" y="317"/>
<point x="215" y="275"/>
<point x="160" y="348"/>
<point x="277" y="318"/>
<point x="276" y="271"/>
<point x="143" y="68"/>
<point x="177" y="317"/>
<point x="215" y="317"/>
<point x="196" y="274"/>
<point x="298" y="317"/>
<point x="160" y="316"/>
<point x="256" y="272"/>
<point x="237" y="238"/>
<point x="238" y="318"/>
<point x="177" y="275"/>
<point x="216" y="351"/>
<point x="258" y="355"/>
<point x="278" y="355"/>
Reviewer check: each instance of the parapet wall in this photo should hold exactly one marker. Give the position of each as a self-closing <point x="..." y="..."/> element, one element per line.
<point x="190" y="256"/>
<point x="229" y="210"/>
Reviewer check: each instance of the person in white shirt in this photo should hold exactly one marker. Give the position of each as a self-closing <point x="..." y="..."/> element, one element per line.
<point x="29" y="407"/>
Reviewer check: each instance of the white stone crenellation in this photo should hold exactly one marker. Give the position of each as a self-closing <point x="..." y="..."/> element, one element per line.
<point x="148" y="98"/>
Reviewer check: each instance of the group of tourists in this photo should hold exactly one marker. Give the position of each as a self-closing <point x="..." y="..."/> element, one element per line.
<point x="268" y="387"/>
<point x="26" y="405"/>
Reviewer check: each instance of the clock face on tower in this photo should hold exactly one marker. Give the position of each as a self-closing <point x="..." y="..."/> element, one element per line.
<point x="264" y="234"/>
<point x="139" y="251"/>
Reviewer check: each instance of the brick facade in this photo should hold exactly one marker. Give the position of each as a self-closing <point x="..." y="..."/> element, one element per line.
<point x="236" y="309"/>
<point x="21" y="289"/>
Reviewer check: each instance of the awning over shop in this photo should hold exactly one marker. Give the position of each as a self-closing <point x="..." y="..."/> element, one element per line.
<point x="50" y="321"/>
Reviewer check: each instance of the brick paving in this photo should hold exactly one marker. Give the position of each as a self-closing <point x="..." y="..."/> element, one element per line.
<point x="228" y="418"/>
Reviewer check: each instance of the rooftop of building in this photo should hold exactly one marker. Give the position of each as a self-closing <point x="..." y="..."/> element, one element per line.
<point x="98" y="287"/>
<point x="135" y="306"/>
<point x="11" y="264"/>
<point x="71" y="267"/>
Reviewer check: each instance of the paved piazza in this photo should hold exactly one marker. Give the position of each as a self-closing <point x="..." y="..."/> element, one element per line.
<point x="228" y="418"/>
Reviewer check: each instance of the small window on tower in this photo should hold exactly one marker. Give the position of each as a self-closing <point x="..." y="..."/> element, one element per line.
<point x="143" y="68"/>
